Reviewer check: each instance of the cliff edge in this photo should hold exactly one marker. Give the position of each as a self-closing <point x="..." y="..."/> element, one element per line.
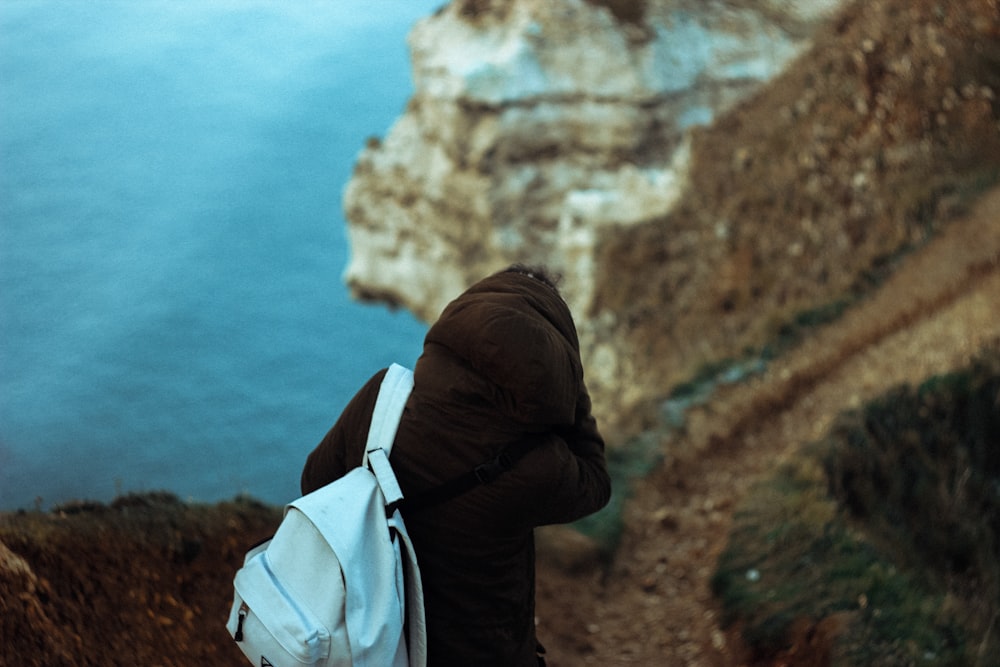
<point x="705" y="175"/>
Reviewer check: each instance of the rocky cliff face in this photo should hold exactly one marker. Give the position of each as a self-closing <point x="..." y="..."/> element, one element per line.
<point x="612" y="142"/>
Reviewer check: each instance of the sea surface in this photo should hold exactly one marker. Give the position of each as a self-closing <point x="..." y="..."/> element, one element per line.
<point x="172" y="314"/>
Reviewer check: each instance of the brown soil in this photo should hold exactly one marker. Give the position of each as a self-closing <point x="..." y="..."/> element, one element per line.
<point x="654" y="606"/>
<point x="144" y="581"/>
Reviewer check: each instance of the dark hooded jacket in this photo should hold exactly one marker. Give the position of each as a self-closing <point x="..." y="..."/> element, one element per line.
<point x="501" y="365"/>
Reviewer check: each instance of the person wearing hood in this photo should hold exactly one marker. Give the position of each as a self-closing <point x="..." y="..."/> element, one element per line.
<point x="500" y="369"/>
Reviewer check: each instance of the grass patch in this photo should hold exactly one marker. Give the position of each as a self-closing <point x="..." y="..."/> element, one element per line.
<point x="890" y="525"/>
<point x="789" y="334"/>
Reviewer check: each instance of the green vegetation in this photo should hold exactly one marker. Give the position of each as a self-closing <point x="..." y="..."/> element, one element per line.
<point x="789" y="334"/>
<point x="891" y="525"/>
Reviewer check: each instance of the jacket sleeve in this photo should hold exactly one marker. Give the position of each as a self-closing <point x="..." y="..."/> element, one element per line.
<point x="343" y="447"/>
<point x="582" y="485"/>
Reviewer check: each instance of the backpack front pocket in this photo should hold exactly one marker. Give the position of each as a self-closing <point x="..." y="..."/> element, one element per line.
<point x="269" y="626"/>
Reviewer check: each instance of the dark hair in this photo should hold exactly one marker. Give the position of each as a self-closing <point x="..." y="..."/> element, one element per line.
<point x="540" y="273"/>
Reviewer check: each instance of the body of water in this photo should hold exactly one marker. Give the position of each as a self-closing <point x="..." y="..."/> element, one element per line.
<point x="172" y="314"/>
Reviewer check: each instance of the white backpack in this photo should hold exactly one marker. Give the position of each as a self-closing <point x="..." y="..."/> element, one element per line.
<point x="338" y="583"/>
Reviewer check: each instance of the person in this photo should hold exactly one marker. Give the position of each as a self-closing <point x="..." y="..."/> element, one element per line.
<point x="501" y="365"/>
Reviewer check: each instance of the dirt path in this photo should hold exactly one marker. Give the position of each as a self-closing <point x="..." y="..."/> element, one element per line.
<point x="655" y="606"/>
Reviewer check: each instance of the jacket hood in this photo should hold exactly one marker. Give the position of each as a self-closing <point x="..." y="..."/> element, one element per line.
<point x="517" y="333"/>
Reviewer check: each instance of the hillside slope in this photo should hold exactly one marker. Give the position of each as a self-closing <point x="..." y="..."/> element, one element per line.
<point x="655" y="606"/>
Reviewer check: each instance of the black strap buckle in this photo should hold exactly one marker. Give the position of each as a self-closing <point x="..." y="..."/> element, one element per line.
<point x="486" y="472"/>
<point x="489" y="471"/>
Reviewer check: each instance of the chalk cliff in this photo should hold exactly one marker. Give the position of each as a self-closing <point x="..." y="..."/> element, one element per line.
<point x="696" y="189"/>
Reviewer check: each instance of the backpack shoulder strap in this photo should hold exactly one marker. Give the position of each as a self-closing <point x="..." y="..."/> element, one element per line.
<point x="393" y="393"/>
<point x="392" y="396"/>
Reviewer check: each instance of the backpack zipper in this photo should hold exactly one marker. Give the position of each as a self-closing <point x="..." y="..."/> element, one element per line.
<point x="244" y="610"/>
